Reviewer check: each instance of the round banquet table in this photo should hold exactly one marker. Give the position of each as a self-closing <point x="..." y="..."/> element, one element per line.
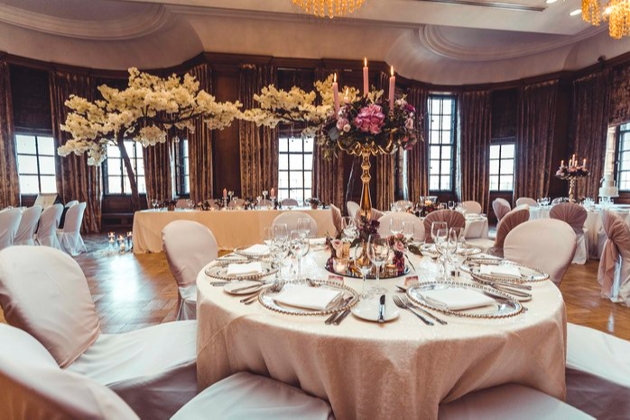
<point x="399" y="369"/>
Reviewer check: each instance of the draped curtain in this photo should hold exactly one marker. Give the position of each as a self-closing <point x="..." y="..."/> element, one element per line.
<point x="76" y="180"/>
<point x="200" y="145"/>
<point x="620" y="95"/>
<point x="157" y="171"/>
<point x="417" y="159"/>
<point x="475" y="134"/>
<point x="534" y="138"/>
<point x="259" y="145"/>
<point x="591" y="102"/>
<point x="10" y="185"/>
<point x="385" y="164"/>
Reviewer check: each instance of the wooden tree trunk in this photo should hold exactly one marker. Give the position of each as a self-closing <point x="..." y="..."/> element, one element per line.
<point x="135" y="196"/>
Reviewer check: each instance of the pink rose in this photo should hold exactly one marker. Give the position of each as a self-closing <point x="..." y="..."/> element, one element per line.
<point x="409" y="124"/>
<point x="399" y="246"/>
<point x="341" y="122"/>
<point x="337" y="244"/>
<point x="370" y="119"/>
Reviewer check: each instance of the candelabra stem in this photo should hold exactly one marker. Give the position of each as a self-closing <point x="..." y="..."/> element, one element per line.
<point x="572" y="190"/>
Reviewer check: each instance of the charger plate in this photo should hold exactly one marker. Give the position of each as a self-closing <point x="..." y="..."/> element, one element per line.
<point x="528" y="274"/>
<point x="220" y="272"/>
<point x="266" y="298"/>
<point x="242" y="250"/>
<point x="467" y="250"/>
<point x="505" y="306"/>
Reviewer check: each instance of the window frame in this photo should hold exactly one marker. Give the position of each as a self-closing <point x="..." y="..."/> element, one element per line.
<point x="181" y="158"/>
<point x="122" y="175"/>
<point x="620" y="131"/>
<point x="452" y="144"/>
<point x="36" y="134"/>
<point x="282" y="190"/>
<point x="502" y="143"/>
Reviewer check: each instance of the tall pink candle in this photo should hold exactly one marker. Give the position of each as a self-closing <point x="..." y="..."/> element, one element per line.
<point x="366" y="76"/>
<point x="224" y="193"/>
<point x="392" y="90"/>
<point x="273" y="193"/>
<point x="336" y="94"/>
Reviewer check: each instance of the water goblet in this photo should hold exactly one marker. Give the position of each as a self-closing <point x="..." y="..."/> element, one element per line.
<point x="378" y="253"/>
<point x="408" y="231"/>
<point x="304" y="227"/>
<point x="349" y="228"/>
<point x="281" y="232"/>
<point x="299" y="247"/>
<point x="451" y="205"/>
<point x="156" y="204"/>
<point x="441" y="246"/>
<point x="279" y="251"/>
<point x="268" y="236"/>
<point x="435" y="226"/>
<point x="364" y="265"/>
<point x="395" y="226"/>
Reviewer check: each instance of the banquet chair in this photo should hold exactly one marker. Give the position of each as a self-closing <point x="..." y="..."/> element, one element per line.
<point x="189" y="246"/>
<point x="34" y="388"/>
<point x="526" y="200"/>
<point x="598" y="373"/>
<point x="69" y="237"/>
<point x="337" y="218"/>
<point x="289" y="202"/>
<point x="353" y="209"/>
<point x="418" y="225"/>
<point x="510" y="401"/>
<point x="575" y="215"/>
<point x="291" y="219"/>
<point x="265" y="203"/>
<point x="547" y="244"/>
<point x="71" y="203"/>
<point x="47" y="230"/>
<point x="501" y="207"/>
<point x="153" y="369"/>
<point x="472" y="207"/>
<point x="453" y="219"/>
<point x="182" y="203"/>
<point x="26" y="230"/>
<point x="614" y="265"/>
<point x="512" y="219"/>
<point x="9" y="223"/>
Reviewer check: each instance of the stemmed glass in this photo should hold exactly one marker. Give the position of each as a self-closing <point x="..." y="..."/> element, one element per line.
<point x="435" y="226"/>
<point x="268" y="236"/>
<point x="304" y="227"/>
<point x="441" y="245"/>
<point x="299" y="247"/>
<point x="156" y="204"/>
<point x="349" y="228"/>
<point x="281" y="232"/>
<point x="451" y="205"/>
<point x="395" y="226"/>
<point x="408" y="230"/>
<point x="279" y="251"/>
<point x="364" y="265"/>
<point x="378" y="253"/>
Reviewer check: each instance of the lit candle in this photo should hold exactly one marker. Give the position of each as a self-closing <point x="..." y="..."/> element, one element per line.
<point x="561" y="163"/>
<point x="573" y="160"/>
<point x="392" y="89"/>
<point x="366" y="76"/>
<point x="273" y="193"/>
<point x="346" y="97"/>
<point x="336" y="94"/>
<point x="224" y="193"/>
<point x="584" y="163"/>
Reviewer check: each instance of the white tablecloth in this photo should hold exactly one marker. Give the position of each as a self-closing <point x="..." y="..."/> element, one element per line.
<point x="397" y="370"/>
<point x="231" y="228"/>
<point x="476" y="227"/>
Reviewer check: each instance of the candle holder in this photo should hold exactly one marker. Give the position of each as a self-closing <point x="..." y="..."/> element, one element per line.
<point x="572" y="172"/>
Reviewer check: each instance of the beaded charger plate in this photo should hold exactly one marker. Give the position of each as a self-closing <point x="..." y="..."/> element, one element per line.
<point x="466" y="250"/>
<point x="244" y="251"/>
<point x="528" y="274"/>
<point x="220" y="272"/>
<point x="503" y="306"/>
<point x="267" y="299"/>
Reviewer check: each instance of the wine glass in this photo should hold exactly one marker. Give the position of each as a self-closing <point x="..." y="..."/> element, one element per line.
<point x="442" y="247"/>
<point x="279" y="251"/>
<point x="268" y="236"/>
<point x="408" y="230"/>
<point x="378" y="253"/>
<point x="281" y="232"/>
<point x="435" y="226"/>
<point x="304" y="227"/>
<point x="156" y="204"/>
<point x="299" y="247"/>
<point x="395" y="226"/>
<point x="451" y="205"/>
<point x="364" y="265"/>
<point x="349" y="228"/>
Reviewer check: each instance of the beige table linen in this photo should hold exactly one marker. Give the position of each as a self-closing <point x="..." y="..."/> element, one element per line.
<point x="400" y="369"/>
<point x="232" y="228"/>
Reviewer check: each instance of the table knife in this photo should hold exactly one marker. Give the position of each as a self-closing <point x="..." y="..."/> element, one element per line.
<point x="341" y="317"/>
<point x="381" y="309"/>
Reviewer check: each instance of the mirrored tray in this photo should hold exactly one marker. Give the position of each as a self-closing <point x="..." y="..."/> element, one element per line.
<point x="467" y="250"/>
<point x="266" y="298"/>
<point x="387" y="272"/>
<point x="219" y="271"/>
<point x="528" y="274"/>
<point x="504" y="305"/>
<point x="242" y="250"/>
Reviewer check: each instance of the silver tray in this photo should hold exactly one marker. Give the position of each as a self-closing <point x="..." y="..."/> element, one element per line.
<point x="528" y="274"/>
<point x="220" y="272"/>
<point x="505" y="306"/>
<point x="266" y="298"/>
<point x="467" y="250"/>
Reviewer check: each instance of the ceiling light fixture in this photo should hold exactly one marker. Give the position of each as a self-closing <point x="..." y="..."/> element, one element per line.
<point x="617" y="13"/>
<point x="575" y="12"/>
<point x="329" y="8"/>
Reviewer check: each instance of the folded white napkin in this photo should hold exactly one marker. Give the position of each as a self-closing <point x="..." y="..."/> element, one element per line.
<point x="254" y="267"/>
<point x="510" y="271"/>
<point x="258" y="249"/>
<point x="308" y="297"/>
<point x="456" y="298"/>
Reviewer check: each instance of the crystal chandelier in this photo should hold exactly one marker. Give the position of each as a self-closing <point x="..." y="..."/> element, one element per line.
<point x="330" y="8"/>
<point x="617" y="13"/>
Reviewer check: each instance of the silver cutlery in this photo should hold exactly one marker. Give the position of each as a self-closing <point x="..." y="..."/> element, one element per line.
<point x="402" y="305"/>
<point x="407" y="302"/>
<point x="332" y="317"/>
<point x="381" y="309"/>
<point x="251" y="286"/>
<point x="341" y="317"/>
<point x="253" y="298"/>
<point x="219" y="283"/>
<point x="507" y="289"/>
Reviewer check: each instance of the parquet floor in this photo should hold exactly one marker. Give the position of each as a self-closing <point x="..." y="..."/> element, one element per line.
<point x="134" y="291"/>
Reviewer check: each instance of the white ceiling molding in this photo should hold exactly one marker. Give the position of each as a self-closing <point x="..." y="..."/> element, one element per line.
<point x="149" y="19"/>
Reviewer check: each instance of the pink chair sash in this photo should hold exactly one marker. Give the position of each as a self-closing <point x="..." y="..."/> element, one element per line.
<point x="501" y="208"/>
<point x="506" y="224"/>
<point x="571" y="213"/>
<point x="337" y="218"/>
<point x="618" y="242"/>
<point x="453" y="219"/>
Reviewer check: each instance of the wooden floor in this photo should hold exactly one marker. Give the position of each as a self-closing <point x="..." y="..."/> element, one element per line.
<point x="134" y="291"/>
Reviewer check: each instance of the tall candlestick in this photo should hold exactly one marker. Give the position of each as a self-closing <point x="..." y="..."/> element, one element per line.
<point x="392" y="89"/>
<point x="366" y="76"/>
<point x="224" y="192"/>
<point x="336" y="94"/>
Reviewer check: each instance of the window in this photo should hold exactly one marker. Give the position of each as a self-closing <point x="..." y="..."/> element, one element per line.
<point x="182" y="174"/>
<point x="623" y="158"/>
<point x="116" y="180"/>
<point x="441" y="142"/>
<point x="295" y="167"/>
<point x="36" y="163"/>
<point x="502" y="167"/>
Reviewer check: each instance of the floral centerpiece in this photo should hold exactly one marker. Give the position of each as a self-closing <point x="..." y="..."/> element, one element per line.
<point x="571" y="172"/>
<point x="398" y="244"/>
<point x="314" y="202"/>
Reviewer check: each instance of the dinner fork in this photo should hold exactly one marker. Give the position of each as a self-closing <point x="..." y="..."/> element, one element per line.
<point x="407" y="302"/>
<point x="398" y="301"/>
<point x="275" y="288"/>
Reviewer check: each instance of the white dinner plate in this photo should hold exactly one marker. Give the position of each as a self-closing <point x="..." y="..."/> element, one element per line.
<point x="368" y="309"/>
<point x="232" y="287"/>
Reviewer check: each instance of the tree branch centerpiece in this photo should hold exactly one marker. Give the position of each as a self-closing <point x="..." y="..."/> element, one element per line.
<point x="571" y="172"/>
<point x="144" y="112"/>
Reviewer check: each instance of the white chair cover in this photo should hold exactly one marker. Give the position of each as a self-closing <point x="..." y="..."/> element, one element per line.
<point x="70" y="238"/>
<point x="247" y="396"/>
<point x="526" y="200"/>
<point x="614" y="265"/>
<point x="575" y="215"/>
<point x="547" y="244"/>
<point x="472" y="207"/>
<point x="189" y="246"/>
<point x="9" y="222"/>
<point x="289" y="202"/>
<point x="353" y="209"/>
<point x="511" y="401"/>
<point x="337" y="218"/>
<point x="598" y="373"/>
<point x="265" y="203"/>
<point x="72" y="203"/>
<point x="26" y="230"/>
<point x="152" y="369"/>
<point x="501" y="207"/>
<point x="453" y="219"/>
<point x="47" y="229"/>
<point x="291" y="219"/>
<point x="35" y="388"/>
<point x="512" y="219"/>
<point x="384" y="221"/>
<point x="375" y="214"/>
<point x="46" y="200"/>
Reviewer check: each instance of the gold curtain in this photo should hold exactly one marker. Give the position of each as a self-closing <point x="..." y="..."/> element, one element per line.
<point x="10" y="185"/>
<point x="475" y="134"/>
<point x="591" y="100"/>
<point x="417" y="159"/>
<point x="259" y="145"/>
<point x="536" y="119"/>
<point x="157" y="171"/>
<point x="620" y="95"/>
<point x="386" y="165"/>
<point x="76" y="180"/>
<point x="200" y="145"/>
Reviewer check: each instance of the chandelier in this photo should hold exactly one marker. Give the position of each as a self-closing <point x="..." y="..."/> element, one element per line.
<point x="617" y="13"/>
<point x="330" y="8"/>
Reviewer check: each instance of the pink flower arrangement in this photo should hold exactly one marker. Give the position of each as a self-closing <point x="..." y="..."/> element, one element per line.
<point x="370" y="119"/>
